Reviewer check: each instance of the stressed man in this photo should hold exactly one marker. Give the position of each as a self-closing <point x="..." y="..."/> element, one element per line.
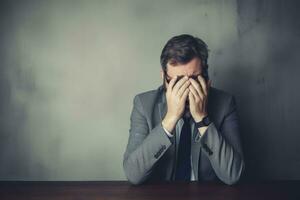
<point x="185" y="130"/>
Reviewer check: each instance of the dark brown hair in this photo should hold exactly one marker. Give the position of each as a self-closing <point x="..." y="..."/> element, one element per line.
<point x="183" y="48"/>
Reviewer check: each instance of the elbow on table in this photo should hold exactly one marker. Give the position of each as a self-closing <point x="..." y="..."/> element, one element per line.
<point x="234" y="179"/>
<point x="232" y="182"/>
<point x="135" y="182"/>
<point x="134" y="179"/>
<point x="132" y="176"/>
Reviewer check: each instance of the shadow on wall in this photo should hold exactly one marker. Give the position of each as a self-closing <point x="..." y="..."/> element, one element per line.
<point x="13" y="114"/>
<point x="264" y="78"/>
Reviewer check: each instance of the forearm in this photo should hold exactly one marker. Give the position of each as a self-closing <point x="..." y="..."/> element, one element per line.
<point x="225" y="160"/>
<point x="139" y="163"/>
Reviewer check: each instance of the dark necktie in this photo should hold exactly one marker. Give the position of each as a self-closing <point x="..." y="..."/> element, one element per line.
<point x="183" y="171"/>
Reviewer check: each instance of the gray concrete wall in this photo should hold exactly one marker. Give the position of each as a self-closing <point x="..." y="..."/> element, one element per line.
<point x="69" y="71"/>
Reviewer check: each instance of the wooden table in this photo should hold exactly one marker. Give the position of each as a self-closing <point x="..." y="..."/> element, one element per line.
<point x="164" y="190"/>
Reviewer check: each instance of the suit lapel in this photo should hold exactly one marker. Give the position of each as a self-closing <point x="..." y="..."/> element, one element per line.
<point x="162" y="105"/>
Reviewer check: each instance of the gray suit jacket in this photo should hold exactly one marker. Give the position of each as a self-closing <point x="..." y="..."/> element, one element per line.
<point x="151" y="155"/>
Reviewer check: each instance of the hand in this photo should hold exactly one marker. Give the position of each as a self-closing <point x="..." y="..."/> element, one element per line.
<point x="176" y="97"/>
<point x="198" y="98"/>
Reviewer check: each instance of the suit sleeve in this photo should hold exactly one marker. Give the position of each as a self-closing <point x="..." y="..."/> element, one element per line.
<point x="145" y="147"/>
<point x="223" y="147"/>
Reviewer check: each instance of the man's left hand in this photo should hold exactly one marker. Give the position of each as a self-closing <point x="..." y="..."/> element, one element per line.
<point x="198" y="98"/>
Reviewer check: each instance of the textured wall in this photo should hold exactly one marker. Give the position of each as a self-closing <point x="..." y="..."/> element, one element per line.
<point x="69" y="71"/>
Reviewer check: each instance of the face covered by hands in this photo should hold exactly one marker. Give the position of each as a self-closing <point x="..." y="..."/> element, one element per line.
<point x="196" y="101"/>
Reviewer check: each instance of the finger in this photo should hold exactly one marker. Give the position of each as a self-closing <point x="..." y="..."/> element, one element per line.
<point x="197" y="88"/>
<point x="194" y="92"/>
<point x="191" y="98"/>
<point x="179" y="84"/>
<point x="183" y="88"/>
<point x="203" y="84"/>
<point x="171" y="83"/>
<point x="185" y="94"/>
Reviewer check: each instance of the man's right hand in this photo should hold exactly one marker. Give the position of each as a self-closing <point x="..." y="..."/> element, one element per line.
<point x="176" y="98"/>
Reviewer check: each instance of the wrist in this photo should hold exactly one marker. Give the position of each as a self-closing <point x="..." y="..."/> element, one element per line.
<point x="169" y="123"/>
<point x="203" y="123"/>
<point x="199" y="118"/>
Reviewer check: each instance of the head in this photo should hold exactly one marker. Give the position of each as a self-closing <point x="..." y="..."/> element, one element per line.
<point x="184" y="55"/>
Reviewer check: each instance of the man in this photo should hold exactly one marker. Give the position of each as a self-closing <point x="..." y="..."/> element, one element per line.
<point x="184" y="130"/>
